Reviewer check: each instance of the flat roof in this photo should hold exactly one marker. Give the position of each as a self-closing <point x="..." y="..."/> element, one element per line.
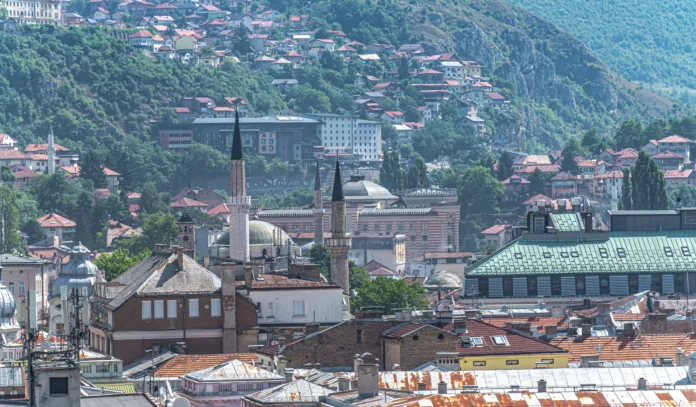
<point x="257" y="120"/>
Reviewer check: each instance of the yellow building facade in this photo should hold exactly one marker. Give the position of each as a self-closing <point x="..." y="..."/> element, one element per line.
<point x="39" y="12"/>
<point x="512" y="362"/>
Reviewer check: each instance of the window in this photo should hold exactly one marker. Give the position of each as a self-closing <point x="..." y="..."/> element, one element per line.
<point x="603" y="253"/>
<point x="193" y="308"/>
<point x="171" y="308"/>
<point x="366" y="228"/>
<point x="389" y="227"/>
<point x="376" y="228"/>
<point x="564" y="255"/>
<point x="358" y="336"/>
<point x="298" y="308"/>
<point x="574" y="254"/>
<point x="547" y="255"/>
<point x="270" y="310"/>
<point x="413" y="239"/>
<point x="621" y="252"/>
<point x="21" y="288"/>
<point x="147" y="309"/>
<point x="512" y="362"/>
<point x="159" y="309"/>
<point x="669" y="252"/>
<point x="11" y="286"/>
<point x="477" y="340"/>
<point x="686" y="251"/>
<point x="58" y="385"/>
<point x="215" y="307"/>
<point x="547" y="361"/>
<point x="400" y="227"/>
<point x="479" y="363"/>
<point x="500" y="340"/>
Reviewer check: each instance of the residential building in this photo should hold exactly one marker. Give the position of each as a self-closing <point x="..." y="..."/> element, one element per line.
<point x="643" y="250"/>
<point x="178" y="300"/>
<point x="56" y="225"/>
<point x="453" y="70"/>
<point x="676" y="144"/>
<point x="287" y="395"/>
<point x="452" y="262"/>
<point x="141" y="38"/>
<point x="172" y="370"/>
<point x="669" y="161"/>
<point x="426" y="112"/>
<point x="531" y="160"/>
<point x="515" y="188"/>
<point x="393" y="117"/>
<point x="563" y="185"/>
<point x="226" y="384"/>
<point x="487" y="347"/>
<point x="676" y="178"/>
<point x="8" y="158"/>
<point x="23" y="274"/>
<point x="472" y="68"/>
<point x="404" y="344"/>
<point x="34" y="11"/>
<point x="7" y="142"/>
<point x="651" y="148"/>
<point x="498" y="235"/>
<point x="349" y="133"/>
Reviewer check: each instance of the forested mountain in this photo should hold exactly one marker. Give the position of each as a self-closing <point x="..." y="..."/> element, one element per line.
<point x="647" y="41"/>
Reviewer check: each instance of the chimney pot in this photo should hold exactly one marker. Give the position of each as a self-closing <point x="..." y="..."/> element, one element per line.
<point x="541" y="386"/>
<point x="421" y="386"/>
<point x="206" y="261"/>
<point x="442" y="388"/>
<point x="642" y="384"/>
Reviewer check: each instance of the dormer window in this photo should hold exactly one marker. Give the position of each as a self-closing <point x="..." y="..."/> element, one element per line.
<point x="500" y="340"/>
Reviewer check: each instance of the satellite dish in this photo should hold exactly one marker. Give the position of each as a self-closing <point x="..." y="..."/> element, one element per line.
<point x="656" y="295"/>
<point x="181" y="402"/>
<point x="535" y="208"/>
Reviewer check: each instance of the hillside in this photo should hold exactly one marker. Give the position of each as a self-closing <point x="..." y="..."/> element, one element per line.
<point x="646" y="41"/>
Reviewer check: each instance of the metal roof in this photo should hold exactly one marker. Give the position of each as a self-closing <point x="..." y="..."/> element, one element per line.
<point x="297" y="391"/>
<point x="568" y="222"/>
<point x="620" y="252"/>
<point x="257" y="120"/>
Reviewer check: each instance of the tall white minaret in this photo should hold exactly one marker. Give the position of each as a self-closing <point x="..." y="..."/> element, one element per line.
<point x="239" y="202"/>
<point x="51" y="153"/>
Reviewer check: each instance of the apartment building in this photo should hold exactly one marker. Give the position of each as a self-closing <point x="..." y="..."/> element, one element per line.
<point x="349" y="133"/>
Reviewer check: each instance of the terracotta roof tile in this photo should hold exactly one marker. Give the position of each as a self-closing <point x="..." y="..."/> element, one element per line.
<point x="643" y="347"/>
<point x="675" y="139"/>
<point x="53" y="220"/>
<point x="518" y="343"/>
<point x="183" y="364"/>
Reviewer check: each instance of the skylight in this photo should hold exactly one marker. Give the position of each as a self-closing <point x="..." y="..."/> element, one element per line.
<point x="669" y="252"/>
<point x="477" y="341"/>
<point x="686" y="251"/>
<point x="518" y="255"/>
<point x="500" y="340"/>
<point x="621" y="252"/>
<point x="603" y="253"/>
<point x="564" y="255"/>
<point x="547" y="255"/>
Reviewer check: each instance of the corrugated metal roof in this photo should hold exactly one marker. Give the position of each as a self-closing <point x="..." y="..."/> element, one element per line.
<point x="568" y="222"/>
<point x="127" y="388"/>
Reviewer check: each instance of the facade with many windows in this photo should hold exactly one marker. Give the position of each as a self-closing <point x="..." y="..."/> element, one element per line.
<point x="34" y="11"/>
<point x="350" y="134"/>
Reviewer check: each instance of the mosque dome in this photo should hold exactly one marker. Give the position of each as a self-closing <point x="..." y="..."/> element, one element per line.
<point x="8" y="306"/>
<point x="443" y="279"/>
<point x="358" y="189"/>
<point x="260" y="233"/>
<point x="78" y="272"/>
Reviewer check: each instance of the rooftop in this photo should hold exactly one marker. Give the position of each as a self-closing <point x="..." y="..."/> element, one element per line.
<point x="234" y="370"/>
<point x="296" y="391"/>
<point x="181" y="365"/>
<point x="514" y="344"/>
<point x="642" y="347"/>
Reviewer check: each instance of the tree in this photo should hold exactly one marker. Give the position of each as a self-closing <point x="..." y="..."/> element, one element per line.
<point x="159" y="228"/>
<point x="91" y="168"/>
<point x="626" y="193"/>
<point x="418" y="175"/>
<point x="537" y="182"/>
<point x="150" y="199"/>
<point x="480" y="192"/>
<point x="357" y="275"/>
<point x="3" y="13"/>
<point x="629" y="134"/>
<point x="389" y="293"/>
<point x="6" y="175"/>
<point x="391" y="175"/>
<point x="592" y="142"/>
<point x="505" y="169"/>
<point x="9" y="220"/>
<point x="404" y="68"/>
<point x="33" y="231"/>
<point x="320" y="255"/>
<point x="572" y="150"/>
<point x="648" y="186"/>
<point x="114" y="264"/>
<point x="83" y="231"/>
<point x="241" y="43"/>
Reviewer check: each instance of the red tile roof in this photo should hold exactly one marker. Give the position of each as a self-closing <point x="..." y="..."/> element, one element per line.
<point x="674" y="139"/>
<point x="518" y="343"/>
<point x="42" y="148"/>
<point x="668" y="154"/>
<point x="671" y="174"/>
<point x="111" y="173"/>
<point x="534" y="322"/>
<point x="533" y="200"/>
<point x="222" y="208"/>
<point x="281" y="282"/>
<point x="643" y="347"/>
<point x="186" y="202"/>
<point x="523" y="181"/>
<point x="53" y="220"/>
<point x="184" y="364"/>
<point x="494" y="230"/>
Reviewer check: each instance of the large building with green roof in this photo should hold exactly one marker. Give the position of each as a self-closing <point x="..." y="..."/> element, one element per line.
<point x="560" y="254"/>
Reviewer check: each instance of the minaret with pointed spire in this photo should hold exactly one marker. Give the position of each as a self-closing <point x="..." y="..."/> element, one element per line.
<point x="51" y="152"/>
<point x="239" y="201"/>
<point x="339" y="243"/>
<point x="318" y="209"/>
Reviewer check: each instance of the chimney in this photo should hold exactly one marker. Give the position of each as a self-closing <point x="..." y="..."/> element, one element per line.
<point x="248" y="274"/>
<point x="642" y="384"/>
<point x="442" y="388"/>
<point x="603" y="306"/>
<point x="343" y="384"/>
<point x="356" y="362"/>
<point x="353" y="384"/>
<point x="289" y="375"/>
<point x="311" y="328"/>
<point x="551" y="331"/>
<point x="459" y="325"/>
<point x="421" y="386"/>
<point x="368" y="373"/>
<point x="229" y="305"/>
<point x="541" y="386"/>
<point x="586" y="359"/>
<point x="180" y="257"/>
<point x="206" y="261"/>
<point x="629" y="330"/>
<point x="586" y="330"/>
<point x="692" y="376"/>
<point x="282" y="364"/>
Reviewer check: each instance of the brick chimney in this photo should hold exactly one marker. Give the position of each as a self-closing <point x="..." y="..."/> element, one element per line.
<point x="541" y="386"/>
<point x="248" y="274"/>
<point x="642" y="384"/>
<point x="229" y="307"/>
<point x="368" y="374"/>
<point x="180" y="257"/>
<point x="442" y="388"/>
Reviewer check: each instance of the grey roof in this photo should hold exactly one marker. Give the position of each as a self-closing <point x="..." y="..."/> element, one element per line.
<point x="297" y="391"/>
<point x="10" y="259"/>
<point x="117" y="400"/>
<point x="285" y="212"/>
<point x="234" y="370"/>
<point x="395" y="211"/>
<point x="158" y="273"/>
<point x="358" y="189"/>
<point x="140" y="367"/>
<point x="260" y="233"/>
<point x="644" y="213"/>
<point x="257" y="120"/>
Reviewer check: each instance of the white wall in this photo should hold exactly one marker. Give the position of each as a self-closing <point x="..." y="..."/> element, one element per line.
<point x="320" y="305"/>
<point x="363" y="136"/>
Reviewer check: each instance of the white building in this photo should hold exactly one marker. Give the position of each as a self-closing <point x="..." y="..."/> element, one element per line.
<point x="452" y="69"/>
<point x="349" y="133"/>
<point x="34" y="11"/>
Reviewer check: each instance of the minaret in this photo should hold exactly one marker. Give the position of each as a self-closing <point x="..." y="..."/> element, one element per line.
<point x="339" y="243"/>
<point x="239" y="201"/>
<point x="318" y="209"/>
<point x="51" y="153"/>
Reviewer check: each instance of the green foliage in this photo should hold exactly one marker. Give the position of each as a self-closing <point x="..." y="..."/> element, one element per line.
<point x="642" y="40"/>
<point x="505" y="169"/>
<point x="480" y="192"/>
<point x="389" y="293"/>
<point x="417" y="176"/>
<point x="34" y="231"/>
<point x="114" y="264"/>
<point x="572" y="150"/>
<point x="9" y="220"/>
<point x="83" y="231"/>
<point x="537" y="182"/>
<point x="684" y="197"/>
<point x="592" y="142"/>
<point x="648" y="190"/>
<point x="92" y="169"/>
<point x="320" y="255"/>
<point x="297" y="198"/>
<point x="157" y="228"/>
<point x="150" y="200"/>
<point x="6" y="175"/>
<point x="357" y="277"/>
<point x="626" y="193"/>
<point x="392" y="176"/>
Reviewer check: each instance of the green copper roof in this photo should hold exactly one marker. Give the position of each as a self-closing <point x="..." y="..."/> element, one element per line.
<point x="568" y="222"/>
<point x="621" y="252"/>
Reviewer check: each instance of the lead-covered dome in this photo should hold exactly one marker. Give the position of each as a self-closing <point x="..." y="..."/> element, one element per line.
<point x="358" y="189"/>
<point x="8" y="306"/>
<point x="78" y="272"/>
<point x="443" y="279"/>
<point x="260" y="233"/>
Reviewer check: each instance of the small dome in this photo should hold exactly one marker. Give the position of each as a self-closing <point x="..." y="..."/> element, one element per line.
<point x="260" y="233"/>
<point x="78" y="272"/>
<point x="8" y="306"/>
<point x="357" y="189"/>
<point x="443" y="279"/>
